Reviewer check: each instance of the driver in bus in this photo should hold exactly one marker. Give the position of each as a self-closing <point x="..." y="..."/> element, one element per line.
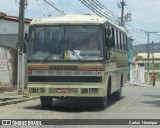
<point x="91" y="44"/>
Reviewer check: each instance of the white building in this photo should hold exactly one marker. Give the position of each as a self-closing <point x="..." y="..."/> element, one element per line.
<point x="9" y="26"/>
<point x="9" y="29"/>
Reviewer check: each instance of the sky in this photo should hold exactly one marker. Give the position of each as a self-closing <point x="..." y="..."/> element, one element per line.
<point x="145" y="13"/>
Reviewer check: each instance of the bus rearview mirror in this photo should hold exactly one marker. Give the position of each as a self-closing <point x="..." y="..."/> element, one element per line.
<point x="108" y="32"/>
<point x="26" y="36"/>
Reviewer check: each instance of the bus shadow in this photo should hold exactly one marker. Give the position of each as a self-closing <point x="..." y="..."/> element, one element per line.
<point x="74" y="105"/>
<point x="153" y="96"/>
<point x="155" y="101"/>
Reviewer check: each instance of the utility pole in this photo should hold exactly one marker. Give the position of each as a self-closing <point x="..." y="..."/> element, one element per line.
<point x="148" y="50"/>
<point x="20" y="79"/>
<point x="122" y="11"/>
<point x="152" y="57"/>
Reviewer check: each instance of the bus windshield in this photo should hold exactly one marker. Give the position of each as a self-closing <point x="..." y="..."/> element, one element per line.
<point x="65" y="43"/>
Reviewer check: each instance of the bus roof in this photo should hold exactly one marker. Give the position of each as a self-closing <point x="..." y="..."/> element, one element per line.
<point x="71" y="19"/>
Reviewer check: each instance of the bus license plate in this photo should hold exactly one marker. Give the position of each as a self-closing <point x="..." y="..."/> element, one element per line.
<point x="63" y="90"/>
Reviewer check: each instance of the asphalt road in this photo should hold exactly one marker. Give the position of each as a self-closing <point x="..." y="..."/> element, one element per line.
<point x="137" y="103"/>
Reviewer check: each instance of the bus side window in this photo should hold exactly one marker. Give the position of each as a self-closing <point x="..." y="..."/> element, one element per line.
<point x="112" y="39"/>
<point x="127" y="43"/>
<point x="120" y="39"/>
<point x="122" y="42"/>
<point x="117" y="39"/>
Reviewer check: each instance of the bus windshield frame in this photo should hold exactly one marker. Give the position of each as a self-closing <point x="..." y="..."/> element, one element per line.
<point x="66" y="43"/>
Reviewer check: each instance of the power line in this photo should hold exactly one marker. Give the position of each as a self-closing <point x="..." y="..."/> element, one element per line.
<point x="75" y="4"/>
<point x="59" y="4"/>
<point x="40" y="7"/>
<point x="16" y="2"/>
<point x="100" y="11"/>
<point x="51" y="4"/>
<point x="103" y="10"/>
<point x="70" y="4"/>
<point x="141" y="30"/>
<point x="94" y="9"/>
<point x="89" y="7"/>
<point x="107" y="10"/>
<point x="49" y="14"/>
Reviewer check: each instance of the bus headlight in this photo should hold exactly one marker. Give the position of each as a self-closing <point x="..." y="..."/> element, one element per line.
<point x="93" y="90"/>
<point x="41" y="90"/>
<point x="37" y="90"/>
<point x="84" y="90"/>
<point x="32" y="90"/>
<point x="89" y="90"/>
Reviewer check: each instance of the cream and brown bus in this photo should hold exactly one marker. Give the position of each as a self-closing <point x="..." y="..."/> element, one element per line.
<point x="76" y="56"/>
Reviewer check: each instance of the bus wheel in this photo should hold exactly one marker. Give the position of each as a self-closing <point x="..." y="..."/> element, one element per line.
<point x="102" y="102"/>
<point x="118" y="94"/>
<point x="46" y="101"/>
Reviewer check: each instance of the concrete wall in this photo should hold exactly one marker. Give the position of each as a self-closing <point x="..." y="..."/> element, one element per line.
<point x="8" y="68"/>
<point x="9" y="40"/>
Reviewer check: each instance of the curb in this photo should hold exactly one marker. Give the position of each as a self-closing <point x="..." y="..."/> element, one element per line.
<point x="15" y="101"/>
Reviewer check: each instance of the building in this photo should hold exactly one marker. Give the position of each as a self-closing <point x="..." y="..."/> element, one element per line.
<point x="9" y="29"/>
<point x="130" y="54"/>
<point x="143" y="48"/>
<point x="154" y="61"/>
<point x="141" y="53"/>
<point x="9" y="26"/>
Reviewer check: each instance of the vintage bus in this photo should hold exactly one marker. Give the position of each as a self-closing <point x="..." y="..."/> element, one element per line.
<point x="76" y="56"/>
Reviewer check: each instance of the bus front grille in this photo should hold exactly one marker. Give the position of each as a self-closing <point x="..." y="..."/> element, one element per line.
<point x="91" y="79"/>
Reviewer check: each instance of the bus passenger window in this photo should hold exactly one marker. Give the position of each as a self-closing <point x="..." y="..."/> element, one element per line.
<point x="124" y="43"/>
<point x="113" y="39"/>
<point x="120" y="40"/>
<point x="117" y="38"/>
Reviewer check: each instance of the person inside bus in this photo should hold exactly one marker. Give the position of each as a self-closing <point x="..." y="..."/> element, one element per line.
<point x="91" y="44"/>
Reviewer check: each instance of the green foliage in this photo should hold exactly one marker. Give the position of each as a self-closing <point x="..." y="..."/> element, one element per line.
<point x="158" y="77"/>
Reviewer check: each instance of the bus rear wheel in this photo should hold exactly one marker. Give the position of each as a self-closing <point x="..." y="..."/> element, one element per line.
<point x="46" y="101"/>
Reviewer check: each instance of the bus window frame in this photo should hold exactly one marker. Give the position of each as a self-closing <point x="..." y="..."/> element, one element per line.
<point x="64" y="42"/>
<point x="107" y="28"/>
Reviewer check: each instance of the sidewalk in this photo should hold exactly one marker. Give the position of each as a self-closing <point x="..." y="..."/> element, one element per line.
<point x="12" y="97"/>
<point x="146" y="84"/>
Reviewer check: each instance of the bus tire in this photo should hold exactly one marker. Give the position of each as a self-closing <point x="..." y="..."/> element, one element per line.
<point x="102" y="102"/>
<point x="118" y="94"/>
<point x="46" y="101"/>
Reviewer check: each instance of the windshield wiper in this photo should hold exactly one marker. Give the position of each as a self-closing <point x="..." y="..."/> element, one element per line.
<point x="51" y="53"/>
<point x="78" y="57"/>
<point x="46" y="58"/>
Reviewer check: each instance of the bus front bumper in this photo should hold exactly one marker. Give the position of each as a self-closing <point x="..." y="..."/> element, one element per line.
<point x="66" y="89"/>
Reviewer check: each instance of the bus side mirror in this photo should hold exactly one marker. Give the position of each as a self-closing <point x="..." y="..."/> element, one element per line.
<point x="25" y="47"/>
<point x="108" y="32"/>
<point x="26" y="36"/>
